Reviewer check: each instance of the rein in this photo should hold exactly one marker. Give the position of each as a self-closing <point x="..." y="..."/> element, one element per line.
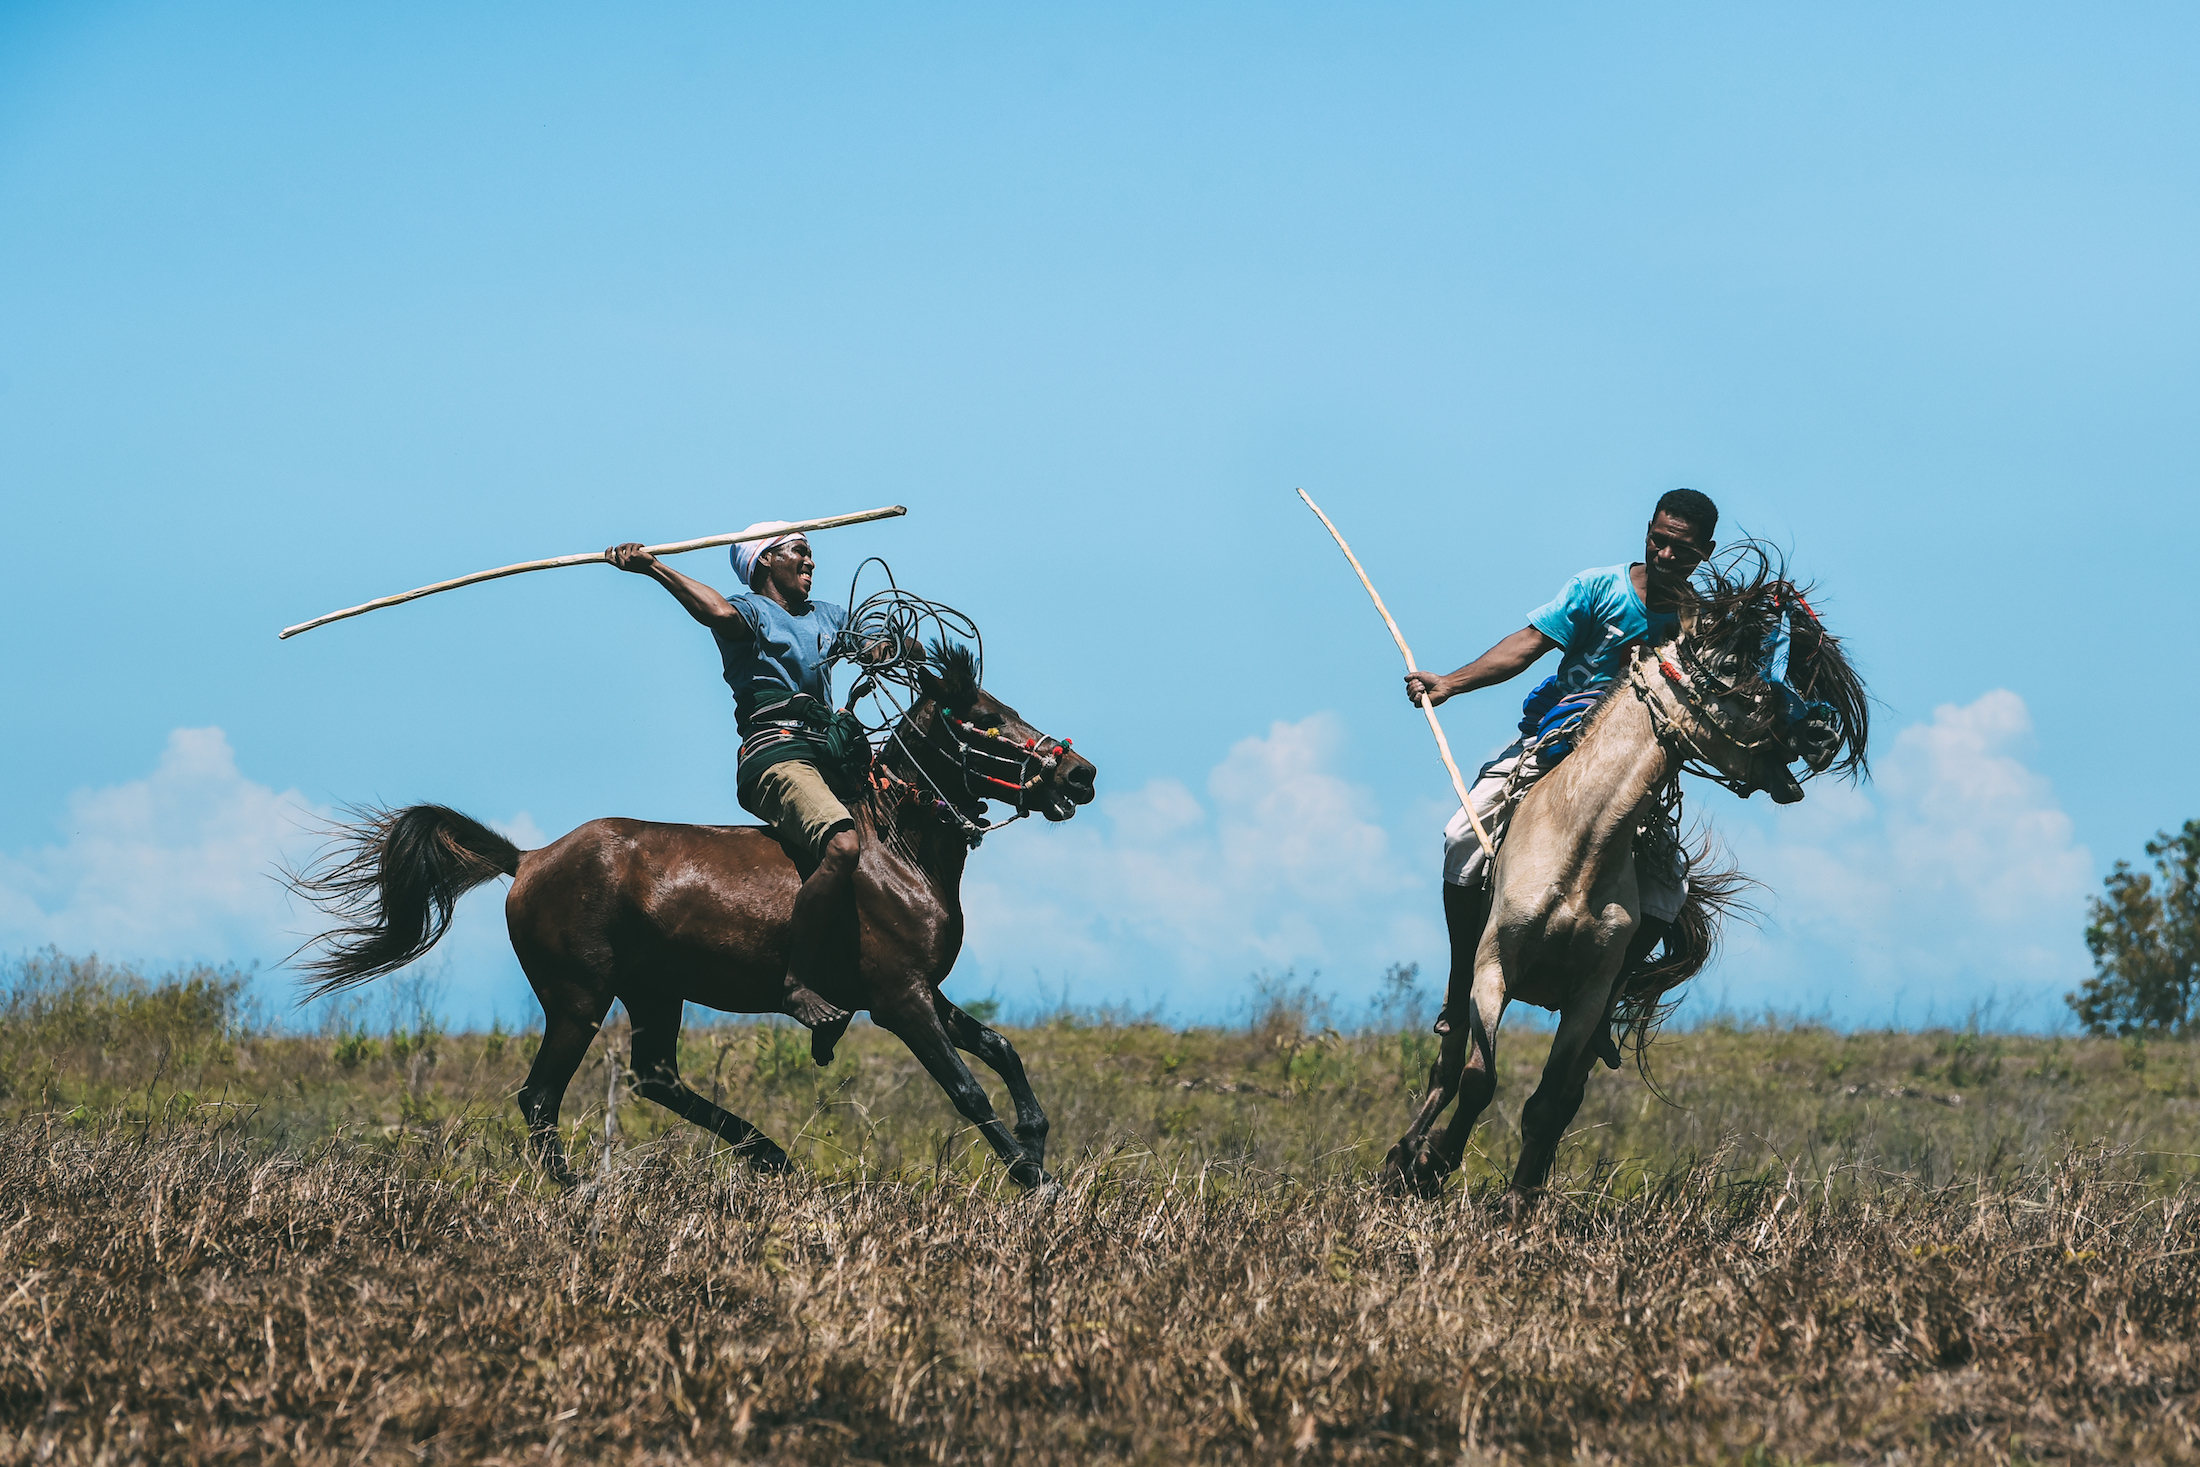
<point x="1705" y="711"/>
<point x="1029" y="763"/>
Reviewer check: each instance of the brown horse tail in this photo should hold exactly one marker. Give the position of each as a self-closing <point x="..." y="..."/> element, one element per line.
<point x="392" y="880"/>
<point x="1717" y="890"/>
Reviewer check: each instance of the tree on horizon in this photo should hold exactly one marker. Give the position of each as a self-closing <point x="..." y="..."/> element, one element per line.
<point x="2144" y="934"/>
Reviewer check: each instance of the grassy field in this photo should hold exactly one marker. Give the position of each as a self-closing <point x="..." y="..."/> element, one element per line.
<point x="219" y="1242"/>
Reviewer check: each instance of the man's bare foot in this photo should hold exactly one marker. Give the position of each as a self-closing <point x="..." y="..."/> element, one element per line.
<point x="826" y="1020"/>
<point x="824" y="1037"/>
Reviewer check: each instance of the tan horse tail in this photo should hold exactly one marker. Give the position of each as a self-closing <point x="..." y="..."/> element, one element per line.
<point x="1717" y="890"/>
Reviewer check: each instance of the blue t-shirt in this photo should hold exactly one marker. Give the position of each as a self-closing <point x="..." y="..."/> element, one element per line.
<point x="783" y="649"/>
<point x="1594" y="619"/>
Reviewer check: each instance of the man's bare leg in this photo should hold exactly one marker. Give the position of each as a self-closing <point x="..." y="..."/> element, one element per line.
<point x="820" y="914"/>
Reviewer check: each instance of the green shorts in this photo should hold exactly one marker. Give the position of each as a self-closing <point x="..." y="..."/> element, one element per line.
<point x="801" y="808"/>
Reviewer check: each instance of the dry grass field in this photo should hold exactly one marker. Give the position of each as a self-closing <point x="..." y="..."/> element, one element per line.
<point x="218" y="1242"/>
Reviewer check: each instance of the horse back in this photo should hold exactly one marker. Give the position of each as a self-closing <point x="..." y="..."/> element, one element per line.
<point x="630" y="891"/>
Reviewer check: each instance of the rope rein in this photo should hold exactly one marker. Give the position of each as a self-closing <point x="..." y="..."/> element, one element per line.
<point x="884" y="638"/>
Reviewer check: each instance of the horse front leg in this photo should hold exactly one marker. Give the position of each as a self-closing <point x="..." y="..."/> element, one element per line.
<point x="656" y="1063"/>
<point x="1000" y="1056"/>
<point x="1466" y="912"/>
<point x="911" y="1016"/>
<point x="1544" y="1119"/>
<point x="1478" y="1078"/>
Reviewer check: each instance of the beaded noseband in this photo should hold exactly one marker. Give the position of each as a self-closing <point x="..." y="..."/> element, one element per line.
<point x="1027" y="764"/>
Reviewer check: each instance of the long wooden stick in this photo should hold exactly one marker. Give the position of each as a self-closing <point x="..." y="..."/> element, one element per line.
<point x="1443" y="745"/>
<point x="592" y="558"/>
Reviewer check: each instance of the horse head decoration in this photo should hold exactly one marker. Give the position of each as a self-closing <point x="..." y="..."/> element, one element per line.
<point x="1753" y="685"/>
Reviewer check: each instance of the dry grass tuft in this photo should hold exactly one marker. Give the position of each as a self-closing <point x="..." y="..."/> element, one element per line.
<point x="187" y="1296"/>
<point x="222" y="1244"/>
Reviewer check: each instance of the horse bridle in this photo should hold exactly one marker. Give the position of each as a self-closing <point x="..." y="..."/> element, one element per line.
<point x="1028" y="764"/>
<point x="1690" y="689"/>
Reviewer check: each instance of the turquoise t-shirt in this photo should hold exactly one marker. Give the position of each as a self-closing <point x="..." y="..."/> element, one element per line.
<point x="1594" y="620"/>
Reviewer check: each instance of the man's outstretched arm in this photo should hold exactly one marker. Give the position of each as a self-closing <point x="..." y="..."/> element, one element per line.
<point x="702" y="602"/>
<point x="1508" y="659"/>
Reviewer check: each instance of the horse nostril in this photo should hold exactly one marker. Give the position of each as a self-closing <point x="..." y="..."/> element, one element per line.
<point x="1078" y="781"/>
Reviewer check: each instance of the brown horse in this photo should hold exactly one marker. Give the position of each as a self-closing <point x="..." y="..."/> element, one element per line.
<point x="658" y="916"/>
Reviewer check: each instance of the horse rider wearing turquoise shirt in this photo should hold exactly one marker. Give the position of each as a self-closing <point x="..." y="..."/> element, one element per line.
<point x="1595" y="622"/>
<point x="774" y="641"/>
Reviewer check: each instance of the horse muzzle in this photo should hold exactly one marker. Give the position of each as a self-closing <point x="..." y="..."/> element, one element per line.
<point x="1071" y="786"/>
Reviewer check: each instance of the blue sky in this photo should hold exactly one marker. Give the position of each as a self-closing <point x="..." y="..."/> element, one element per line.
<point x="302" y="305"/>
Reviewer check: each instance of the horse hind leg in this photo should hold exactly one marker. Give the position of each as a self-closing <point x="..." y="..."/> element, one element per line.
<point x="567" y="1031"/>
<point x="656" y="1064"/>
<point x="1000" y="1056"/>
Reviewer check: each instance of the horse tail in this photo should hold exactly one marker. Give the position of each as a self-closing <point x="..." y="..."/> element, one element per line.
<point x="1717" y="890"/>
<point x="392" y="880"/>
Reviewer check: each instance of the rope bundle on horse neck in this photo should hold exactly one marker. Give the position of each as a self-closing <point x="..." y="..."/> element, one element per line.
<point x="885" y="639"/>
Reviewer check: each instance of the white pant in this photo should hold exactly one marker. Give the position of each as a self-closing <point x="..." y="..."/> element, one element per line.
<point x="1663" y="885"/>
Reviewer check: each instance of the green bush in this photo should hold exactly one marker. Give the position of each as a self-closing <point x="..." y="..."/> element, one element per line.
<point x="52" y="1004"/>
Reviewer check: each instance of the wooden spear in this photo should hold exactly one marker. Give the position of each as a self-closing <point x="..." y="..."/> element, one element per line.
<point x="591" y="558"/>
<point x="1443" y="746"/>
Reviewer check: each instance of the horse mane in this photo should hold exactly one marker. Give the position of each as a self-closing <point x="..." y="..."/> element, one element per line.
<point x="949" y="677"/>
<point x="955" y="667"/>
<point x="1742" y="593"/>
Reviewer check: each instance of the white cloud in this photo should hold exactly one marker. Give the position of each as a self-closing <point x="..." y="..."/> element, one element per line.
<point x="1953" y="879"/>
<point x="1158" y="897"/>
<point x="174" y="866"/>
<point x="180" y="866"/>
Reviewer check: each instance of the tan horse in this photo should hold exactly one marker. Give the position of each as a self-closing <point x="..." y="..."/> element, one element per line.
<point x="1563" y="904"/>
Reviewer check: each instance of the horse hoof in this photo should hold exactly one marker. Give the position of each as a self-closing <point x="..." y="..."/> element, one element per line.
<point x="1412" y="1177"/>
<point x="764" y="1157"/>
<point x="1393" y="1175"/>
<point x="1047" y="1189"/>
<point x="1519" y="1202"/>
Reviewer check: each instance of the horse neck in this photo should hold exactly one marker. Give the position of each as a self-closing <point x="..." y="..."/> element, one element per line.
<point x="1595" y="795"/>
<point x="917" y="832"/>
<point x="931" y="845"/>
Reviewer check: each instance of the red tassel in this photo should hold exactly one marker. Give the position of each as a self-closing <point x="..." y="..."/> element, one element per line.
<point x="1670" y="670"/>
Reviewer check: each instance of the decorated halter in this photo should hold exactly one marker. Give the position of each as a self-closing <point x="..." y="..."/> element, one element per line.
<point x="1025" y="765"/>
<point x="1769" y="716"/>
<point x="971" y="750"/>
